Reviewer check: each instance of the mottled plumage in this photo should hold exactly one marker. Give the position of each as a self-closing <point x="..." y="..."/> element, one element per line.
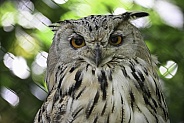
<point x="100" y="71"/>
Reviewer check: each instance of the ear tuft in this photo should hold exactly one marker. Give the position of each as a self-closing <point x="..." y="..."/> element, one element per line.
<point x="134" y="15"/>
<point x="55" y="26"/>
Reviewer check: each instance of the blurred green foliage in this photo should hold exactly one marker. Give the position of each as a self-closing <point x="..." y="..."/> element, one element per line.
<point x="24" y="32"/>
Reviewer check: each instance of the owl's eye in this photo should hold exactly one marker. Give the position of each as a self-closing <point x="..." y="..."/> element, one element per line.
<point x="116" y="40"/>
<point x="77" y="42"/>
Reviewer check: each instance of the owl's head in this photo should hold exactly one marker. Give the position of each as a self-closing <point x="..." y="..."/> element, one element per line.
<point x="97" y="40"/>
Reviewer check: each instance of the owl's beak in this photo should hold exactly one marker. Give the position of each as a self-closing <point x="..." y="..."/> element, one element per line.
<point x="98" y="55"/>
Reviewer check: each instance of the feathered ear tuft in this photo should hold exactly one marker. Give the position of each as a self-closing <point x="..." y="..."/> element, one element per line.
<point x="55" y="26"/>
<point x="134" y="15"/>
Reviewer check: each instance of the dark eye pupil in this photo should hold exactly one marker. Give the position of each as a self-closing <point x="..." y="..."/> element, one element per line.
<point x="78" y="41"/>
<point x="114" y="39"/>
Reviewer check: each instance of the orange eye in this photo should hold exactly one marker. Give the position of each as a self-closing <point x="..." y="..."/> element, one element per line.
<point x="77" y="42"/>
<point x="116" y="40"/>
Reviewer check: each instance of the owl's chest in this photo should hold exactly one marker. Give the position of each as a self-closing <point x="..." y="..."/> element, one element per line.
<point x="117" y="95"/>
<point x="99" y="94"/>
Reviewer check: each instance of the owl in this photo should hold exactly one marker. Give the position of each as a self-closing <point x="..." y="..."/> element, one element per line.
<point x="99" y="70"/>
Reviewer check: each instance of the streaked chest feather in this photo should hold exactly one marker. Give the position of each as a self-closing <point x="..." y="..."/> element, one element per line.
<point x="128" y="93"/>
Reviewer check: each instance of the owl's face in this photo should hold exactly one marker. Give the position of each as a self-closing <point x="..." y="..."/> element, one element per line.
<point x="99" y="40"/>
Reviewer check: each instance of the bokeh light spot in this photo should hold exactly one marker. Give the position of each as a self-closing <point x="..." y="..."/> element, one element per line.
<point x="118" y="11"/>
<point x="25" y="18"/>
<point x="37" y="69"/>
<point x="20" y="68"/>
<point x="26" y="41"/>
<point x="170" y="13"/>
<point x="10" y="96"/>
<point x="141" y="22"/>
<point x="40" y="63"/>
<point x="38" y="92"/>
<point x="41" y="59"/>
<point x="60" y="1"/>
<point x="40" y="21"/>
<point x="145" y="3"/>
<point x="8" y="60"/>
<point x="169" y="70"/>
<point x="8" y="21"/>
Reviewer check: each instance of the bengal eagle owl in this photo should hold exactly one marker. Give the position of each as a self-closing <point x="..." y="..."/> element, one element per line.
<point x="99" y="70"/>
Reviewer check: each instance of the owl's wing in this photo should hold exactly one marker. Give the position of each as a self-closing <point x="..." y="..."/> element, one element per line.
<point x="53" y="109"/>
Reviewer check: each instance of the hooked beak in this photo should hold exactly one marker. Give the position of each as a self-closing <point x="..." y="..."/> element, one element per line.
<point x="96" y="59"/>
<point x="98" y="55"/>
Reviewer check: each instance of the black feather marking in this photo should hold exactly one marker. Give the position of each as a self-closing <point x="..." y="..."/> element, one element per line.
<point x="132" y="68"/>
<point x="80" y="93"/>
<point x="141" y="76"/>
<point x="141" y="83"/>
<point x="61" y="100"/>
<point x="78" y="79"/>
<point x="93" y="72"/>
<point x="60" y="81"/>
<point x="71" y="104"/>
<point x="95" y="120"/>
<point x="60" y="92"/>
<point x="43" y="110"/>
<point x="87" y="67"/>
<point x="96" y="27"/>
<point x="142" y="114"/>
<point x="72" y="69"/>
<point x="113" y="105"/>
<point x="103" y="110"/>
<point x="76" y="112"/>
<point x="73" y="88"/>
<point x="152" y="107"/>
<point x="139" y="14"/>
<point x="136" y="61"/>
<point x="103" y="83"/>
<point x="145" y="71"/>
<point x="107" y="119"/>
<point x="90" y="28"/>
<point x="112" y="90"/>
<point x="96" y="97"/>
<point x="122" y="109"/>
<point x="157" y="92"/>
<point x="130" y="118"/>
<point x="132" y="98"/>
<point x="135" y="76"/>
<point x="165" y="113"/>
<point x="39" y="115"/>
<point x="133" y="15"/>
<point x="70" y="91"/>
<point x="156" y="119"/>
<point x="91" y="105"/>
<point x="148" y="103"/>
<point x="61" y="70"/>
<point x="124" y="72"/>
<point x="155" y="103"/>
<point x="110" y="76"/>
<point x="56" y="78"/>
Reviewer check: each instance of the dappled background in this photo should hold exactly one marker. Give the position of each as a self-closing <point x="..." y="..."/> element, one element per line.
<point x="25" y="39"/>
